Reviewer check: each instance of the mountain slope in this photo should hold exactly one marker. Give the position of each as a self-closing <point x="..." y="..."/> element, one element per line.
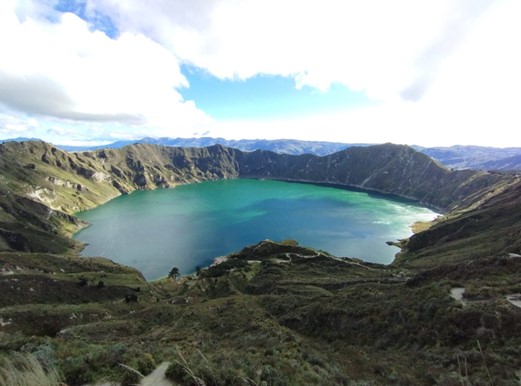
<point x="508" y="164"/>
<point x="457" y="157"/>
<point x="76" y="181"/>
<point x="491" y="228"/>
<point x="388" y="168"/>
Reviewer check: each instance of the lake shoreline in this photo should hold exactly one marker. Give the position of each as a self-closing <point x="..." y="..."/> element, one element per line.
<point x="247" y="221"/>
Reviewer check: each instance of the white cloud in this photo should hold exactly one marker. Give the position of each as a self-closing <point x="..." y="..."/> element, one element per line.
<point x="370" y="45"/>
<point x="61" y="69"/>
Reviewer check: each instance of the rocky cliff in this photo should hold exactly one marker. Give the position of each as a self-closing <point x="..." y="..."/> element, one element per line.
<point x="45" y="186"/>
<point x="388" y="168"/>
<point x="45" y="172"/>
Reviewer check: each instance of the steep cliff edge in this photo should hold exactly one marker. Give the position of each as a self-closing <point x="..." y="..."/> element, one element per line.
<point x="388" y="168"/>
<point x="45" y="186"/>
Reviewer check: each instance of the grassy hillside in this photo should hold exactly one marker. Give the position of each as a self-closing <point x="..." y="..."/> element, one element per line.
<point x="491" y="228"/>
<point x="275" y="313"/>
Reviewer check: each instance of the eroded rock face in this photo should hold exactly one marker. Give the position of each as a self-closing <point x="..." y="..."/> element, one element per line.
<point x="388" y="168"/>
<point x="100" y="177"/>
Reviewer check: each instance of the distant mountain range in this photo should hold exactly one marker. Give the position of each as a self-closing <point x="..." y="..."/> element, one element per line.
<point x="476" y="157"/>
<point x="281" y="146"/>
<point x="456" y="157"/>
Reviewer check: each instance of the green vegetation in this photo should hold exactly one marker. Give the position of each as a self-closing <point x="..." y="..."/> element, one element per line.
<point x="259" y="317"/>
<point x="25" y="370"/>
<point x="490" y="228"/>
<point x="174" y="273"/>
<point x="272" y="313"/>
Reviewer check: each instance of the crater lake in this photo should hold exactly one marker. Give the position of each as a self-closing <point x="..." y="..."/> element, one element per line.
<point x="191" y="225"/>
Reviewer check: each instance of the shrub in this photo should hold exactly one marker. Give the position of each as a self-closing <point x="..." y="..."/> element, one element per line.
<point x="130" y="378"/>
<point x="77" y="371"/>
<point x="131" y="298"/>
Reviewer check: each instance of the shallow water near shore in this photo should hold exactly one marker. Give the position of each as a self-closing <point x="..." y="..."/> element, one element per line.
<point x="190" y="225"/>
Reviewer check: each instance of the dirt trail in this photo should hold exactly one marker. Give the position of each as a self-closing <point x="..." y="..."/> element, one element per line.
<point x="157" y="377"/>
<point x="515" y="299"/>
<point x="457" y="294"/>
<point x="288" y="255"/>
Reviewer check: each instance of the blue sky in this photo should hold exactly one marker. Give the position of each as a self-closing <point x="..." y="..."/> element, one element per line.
<point x="97" y="21"/>
<point x="431" y="73"/>
<point x="265" y="96"/>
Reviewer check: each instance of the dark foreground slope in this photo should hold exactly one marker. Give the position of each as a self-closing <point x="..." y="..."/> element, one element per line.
<point x="279" y="314"/>
<point x="273" y="313"/>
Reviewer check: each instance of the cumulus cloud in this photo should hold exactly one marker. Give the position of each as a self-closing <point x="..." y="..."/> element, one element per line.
<point x="33" y="93"/>
<point x="368" y="45"/>
<point x="386" y="49"/>
<point x="54" y="65"/>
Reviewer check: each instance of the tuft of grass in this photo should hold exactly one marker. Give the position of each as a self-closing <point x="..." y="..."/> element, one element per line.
<point x="25" y="369"/>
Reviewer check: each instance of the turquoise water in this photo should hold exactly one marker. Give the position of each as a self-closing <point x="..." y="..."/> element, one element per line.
<point x="190" y="225"/>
